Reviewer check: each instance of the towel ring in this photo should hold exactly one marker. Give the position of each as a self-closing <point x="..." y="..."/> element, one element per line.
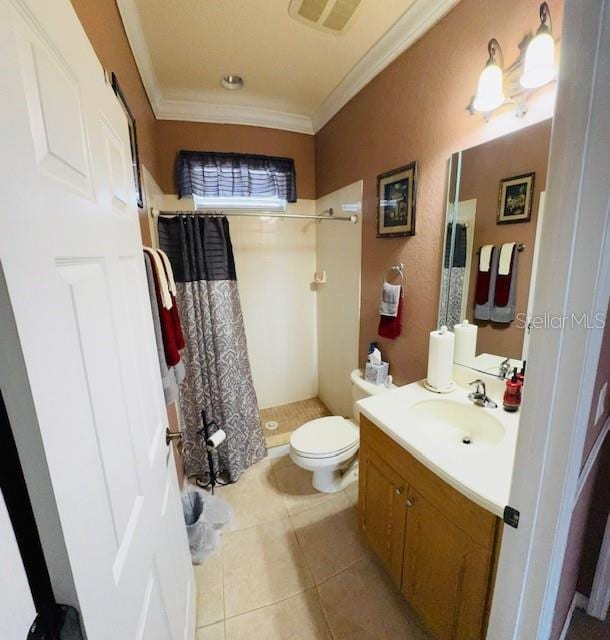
<point x="400" y="270"/>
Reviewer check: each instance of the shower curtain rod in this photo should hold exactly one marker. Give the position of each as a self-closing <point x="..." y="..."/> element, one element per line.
<point x="263" y="214"/>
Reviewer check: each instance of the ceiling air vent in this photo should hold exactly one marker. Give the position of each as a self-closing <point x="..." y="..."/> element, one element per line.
<point x="333" y="16"/>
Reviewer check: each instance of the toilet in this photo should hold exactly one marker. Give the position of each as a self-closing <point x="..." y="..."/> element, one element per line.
<point x="328" y="446"/>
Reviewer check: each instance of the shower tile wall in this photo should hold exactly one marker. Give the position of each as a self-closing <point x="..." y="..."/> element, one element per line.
<point x="275" y="261"/>
<point x="280" y="422"/>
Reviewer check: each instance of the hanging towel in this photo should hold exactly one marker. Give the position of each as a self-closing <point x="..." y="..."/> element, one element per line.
<point x="390" y="297"/>
<point x="160" y="278"/>
<point x="486" y="282"/>
<point x="167" y="269"/>
<point x="505" y="294"/>
<point x="390" y="327"/>
<point x="172" y="356"/>
<point x="169" y="375"/>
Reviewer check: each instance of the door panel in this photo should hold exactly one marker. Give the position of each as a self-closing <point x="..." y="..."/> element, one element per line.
<point x="72" y="258"/>
<point x="382" y="511"/>
<point x="434" y="564"/>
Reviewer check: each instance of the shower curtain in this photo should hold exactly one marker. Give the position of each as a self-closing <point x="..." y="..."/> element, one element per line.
<point x="218" y="378"/>
<point x="453" y="275"/>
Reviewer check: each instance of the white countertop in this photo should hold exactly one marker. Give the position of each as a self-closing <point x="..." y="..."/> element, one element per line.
<point x="481" y="471"/>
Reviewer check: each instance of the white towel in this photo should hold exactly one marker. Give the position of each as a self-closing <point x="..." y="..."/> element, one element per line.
<point x="485" y="258"/>
<point x="506" y="254"/>
<point x="166" y="298"/>
<point x="390" y="298"/>
<point x="168" y="269"/>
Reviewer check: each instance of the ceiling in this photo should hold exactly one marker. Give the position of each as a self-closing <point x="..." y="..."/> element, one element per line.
<point x="296" y="77"/>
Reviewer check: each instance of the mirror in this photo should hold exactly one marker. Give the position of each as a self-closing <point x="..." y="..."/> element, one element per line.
<point x="494" y="210"/>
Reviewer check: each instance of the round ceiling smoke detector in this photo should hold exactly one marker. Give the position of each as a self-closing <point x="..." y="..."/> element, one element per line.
<point x="232" y="82"/>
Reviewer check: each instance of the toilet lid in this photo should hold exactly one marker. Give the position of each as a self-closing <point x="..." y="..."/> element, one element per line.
<point x="325" y="436"/>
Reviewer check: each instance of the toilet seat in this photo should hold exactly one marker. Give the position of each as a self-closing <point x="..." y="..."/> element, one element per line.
<point x="325" y="438"/>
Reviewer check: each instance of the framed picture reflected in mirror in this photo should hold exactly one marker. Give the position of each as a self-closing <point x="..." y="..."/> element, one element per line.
<point x="515" y="199"/>
<point x="396" y="191"/>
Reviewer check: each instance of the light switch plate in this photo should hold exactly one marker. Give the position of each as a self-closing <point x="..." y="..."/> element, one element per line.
<point x="601" y="403"/>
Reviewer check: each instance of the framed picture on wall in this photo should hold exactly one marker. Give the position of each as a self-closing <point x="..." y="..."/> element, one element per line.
<point x="515" y="199"/>
<point x="133" y="140"/>
<point x="396" y="191"/>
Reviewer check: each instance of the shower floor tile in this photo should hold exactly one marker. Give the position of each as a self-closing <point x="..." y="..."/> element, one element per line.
<point x="289" y="417"/>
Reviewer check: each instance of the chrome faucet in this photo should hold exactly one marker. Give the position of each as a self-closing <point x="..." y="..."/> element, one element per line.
<point x="479" y="395"/>
<point x="505" y="368"/>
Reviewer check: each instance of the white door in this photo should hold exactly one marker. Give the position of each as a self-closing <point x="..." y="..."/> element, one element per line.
<point x="71" y="254"/>
<point x="17" y="611"/>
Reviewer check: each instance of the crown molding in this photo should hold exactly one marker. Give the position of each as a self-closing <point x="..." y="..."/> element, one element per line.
<point x="140" y="50"/>
<point x="421" y="16"/>
<point x="197" y="111"/>
<point x="417" y="20"/>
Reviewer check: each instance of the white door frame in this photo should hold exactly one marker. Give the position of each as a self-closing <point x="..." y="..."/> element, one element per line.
<point x="574" y="277"/>
<point x="599" y="601"/>
<point x="535" y="263"/>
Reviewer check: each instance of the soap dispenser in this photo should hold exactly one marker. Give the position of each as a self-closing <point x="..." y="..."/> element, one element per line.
<point x="512" y="394"/>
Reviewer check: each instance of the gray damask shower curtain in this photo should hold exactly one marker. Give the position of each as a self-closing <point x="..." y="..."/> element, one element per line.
<point x="218" y="377"/>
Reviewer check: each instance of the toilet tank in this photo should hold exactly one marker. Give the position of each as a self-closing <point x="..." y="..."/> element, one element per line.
<point x="362" y="389"/>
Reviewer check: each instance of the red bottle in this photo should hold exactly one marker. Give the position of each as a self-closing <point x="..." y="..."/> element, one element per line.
<point x="512" y="395"/>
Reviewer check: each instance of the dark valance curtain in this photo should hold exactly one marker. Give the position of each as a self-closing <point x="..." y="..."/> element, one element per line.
<point x="218" y="377"/>
<point x="211" y="174"/>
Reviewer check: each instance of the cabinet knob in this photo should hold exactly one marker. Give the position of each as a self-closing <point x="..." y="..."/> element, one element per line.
<point x="410" y="502"/>
<point x="398" y="491"/>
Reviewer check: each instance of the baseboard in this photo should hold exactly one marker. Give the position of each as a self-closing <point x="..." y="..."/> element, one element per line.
<point x="579" y="601"/>
<point x="279" y="451"/>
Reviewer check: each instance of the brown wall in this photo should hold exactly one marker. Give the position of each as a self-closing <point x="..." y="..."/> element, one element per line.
<point x="482" y="169"/>
<point x="415" y="110"/>
<point x="200" y="136"/>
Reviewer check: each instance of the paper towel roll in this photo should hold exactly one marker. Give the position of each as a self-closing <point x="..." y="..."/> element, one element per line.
<point x="465" y="342"/>
<point x="216" y="439"/>
<point x="440" y="359"/>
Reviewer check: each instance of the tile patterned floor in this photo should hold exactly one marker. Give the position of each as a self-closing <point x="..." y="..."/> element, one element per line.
<point x="584" y="627"/>
<point x="290" y="417"/>
<point x="294" y="567"/>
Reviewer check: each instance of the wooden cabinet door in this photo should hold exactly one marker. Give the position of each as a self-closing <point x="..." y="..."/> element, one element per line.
<point x="444" y="572"/>
<point x="382" y="510"/>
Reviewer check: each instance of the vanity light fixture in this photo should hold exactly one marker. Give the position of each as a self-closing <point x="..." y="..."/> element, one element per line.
<point x="534" y="68"/>
<point x="539" y="65"/>
<point x="490" y="92"/>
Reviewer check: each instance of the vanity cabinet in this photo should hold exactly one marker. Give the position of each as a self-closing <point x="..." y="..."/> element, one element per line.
<point x="382" y="511"/>
<point x="439" y="547"/>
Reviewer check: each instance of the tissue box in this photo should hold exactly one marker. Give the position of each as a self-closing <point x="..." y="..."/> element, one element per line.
<point x="376" y="373"/>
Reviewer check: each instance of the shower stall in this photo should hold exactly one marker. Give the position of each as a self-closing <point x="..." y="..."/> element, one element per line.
<point x="299" y="285"/>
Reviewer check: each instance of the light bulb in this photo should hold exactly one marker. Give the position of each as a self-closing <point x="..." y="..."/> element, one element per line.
<point x="490" y="92"/>
<point x="539" y="66"/>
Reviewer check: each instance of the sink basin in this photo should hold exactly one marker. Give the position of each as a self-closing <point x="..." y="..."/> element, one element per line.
<point x="455" y="423"/>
